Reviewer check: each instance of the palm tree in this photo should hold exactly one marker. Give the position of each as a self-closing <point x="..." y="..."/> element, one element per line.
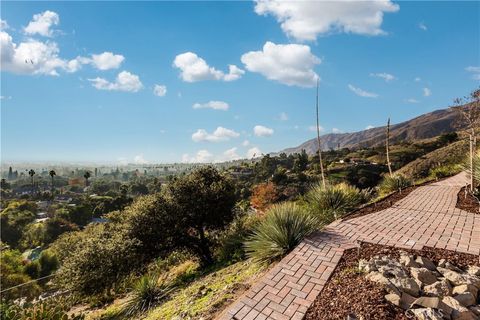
<point x="52" y="173"/>
<point x="31" y="173"/>
<point x="87" y="176"/>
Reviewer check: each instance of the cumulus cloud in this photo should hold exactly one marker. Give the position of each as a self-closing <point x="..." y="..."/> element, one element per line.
<point x="230" y="154"/>
<point x="139" y="159"/>
<point x="417" y="79"/>
<point x="4" y="25"/>
<point x="245" y="143"/>
<point x="475" y="71"/>
<point x="362" y="93"/>
<point x="32" y="57"/>
<point x="41" y="23"/>
<point x="220" y="134"/>
<point x="369" y="127"/>
<point x="193" y="69"/>
<point x="427" y="92"/>
<point x="290" y="64"/>
<point x="336" y="130"/>
<point x="202" y="156"/>
<point x="125" y="81"/>
<point x="423" y="26"/>
<point x="215" y="105"/>
<point x="254" y="153"/>
<point x="383" y="75"/>
<point x="412" y="100"/>
<point x="305" y="20"/>
<point x="107" y="60"/>
<point x="160" y="90"/>
<point x="262" y="131"/>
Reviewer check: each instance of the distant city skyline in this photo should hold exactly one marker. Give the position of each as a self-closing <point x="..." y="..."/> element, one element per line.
<point x="165" y="82"/>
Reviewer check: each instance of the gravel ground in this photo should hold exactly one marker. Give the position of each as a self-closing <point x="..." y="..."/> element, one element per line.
<point x="466" y="201"/>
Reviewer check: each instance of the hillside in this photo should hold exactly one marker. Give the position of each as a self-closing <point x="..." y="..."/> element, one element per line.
<point x="422" y="127"/>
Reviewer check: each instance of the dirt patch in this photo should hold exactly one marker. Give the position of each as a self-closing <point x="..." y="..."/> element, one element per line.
<point x="466" y="201"/>
<point x="349" y="293"/>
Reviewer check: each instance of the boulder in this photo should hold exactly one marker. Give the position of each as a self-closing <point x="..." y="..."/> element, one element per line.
<point x="426" y="263"/>
<point x="455" y="278"/>
<point x="474" y="270"/>
<point x="475" y="309"/>
<point x="404" y="301"/>
<point x="465" y="299"/>
<point x="408" y="261"/>
<point x="366" y="266"/>
<point x="440" y="288"/>
<point x="453" y="267"/>
<point x="459" y="312"/>
<point x="382" y="280"/>
<point x="423" y="275"/>
<point x="433" y="302"/>
<point x="407" y="285"/>
<point x="466" y="288"/>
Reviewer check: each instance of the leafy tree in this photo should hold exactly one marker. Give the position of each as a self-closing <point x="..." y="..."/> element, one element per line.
<point x="12" y="225"/>
<point x="203" y="202"/>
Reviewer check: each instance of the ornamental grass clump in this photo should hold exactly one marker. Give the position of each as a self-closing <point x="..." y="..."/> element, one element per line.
<point x="148" y="292"/>
<point x="334" y="201"/>
<point x="283" y="227"/>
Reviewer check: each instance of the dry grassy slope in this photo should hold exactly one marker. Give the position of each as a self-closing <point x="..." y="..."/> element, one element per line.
<point x="425" y="126"/>
<point x="454" y="153"/>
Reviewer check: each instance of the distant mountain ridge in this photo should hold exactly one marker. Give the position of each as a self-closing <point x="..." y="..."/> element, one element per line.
<point x="422" y="127"/>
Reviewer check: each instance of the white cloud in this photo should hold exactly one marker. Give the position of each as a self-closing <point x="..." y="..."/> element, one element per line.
<point x="4" y="25"/>
<point x="314" y="128"/>
<point x="246" y="143"/>
<point x="122" y="161"/>
<point x="427" y="92"/>
<point x="283" y="116"/>
<point x="305" y="20"/>
<point x="160" y="90"/>
<point x="262" y="131"/>
<point x="290" y="64"/>
<point x="417" y="79"/>
<point x="5" y="97"/>
<point x="193" y="68"/>
<point x="254" y="153"/>
<point x="107" y="60"/>
<point x="220" y="134"/>
<point x="215" y="105"/>
<point x="383" y="75"/>
<point x="369" y="127"/>
<point x="230" y="154"/>
<point x="41" y="23"/>
<point x="362" y="93"/>
<point x="202" y="156"/>
<point x="412" y="100"/>
<point x="336" y="130"/>
<point x="423" y="26"/>
<point x="32" y="57"/>
<point x="475" y="71"/>
<point x="125" y="81"/>
<point x="139" y="159"/>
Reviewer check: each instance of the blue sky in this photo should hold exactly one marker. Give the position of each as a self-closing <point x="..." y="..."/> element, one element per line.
<point x="78" y="79"/>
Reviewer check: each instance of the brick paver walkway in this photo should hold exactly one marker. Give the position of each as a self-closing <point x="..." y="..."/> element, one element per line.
<point x="426" y="217"/>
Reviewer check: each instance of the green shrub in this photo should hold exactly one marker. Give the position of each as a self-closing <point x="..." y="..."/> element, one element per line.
<point x="334" y="201"/>
<point x="148" y="292"/>
<point x="444" y="171"/>
<point x="51" y="309"/>
<point x="282" y="228"/>
<point x="394" y="183"/>
<point x="231" y="247"/>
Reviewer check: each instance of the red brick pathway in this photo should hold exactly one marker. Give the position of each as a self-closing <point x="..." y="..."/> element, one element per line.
<point x="426" y="217"/>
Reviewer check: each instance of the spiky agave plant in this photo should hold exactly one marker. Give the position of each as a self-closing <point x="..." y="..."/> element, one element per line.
<point x="148" y="291"/>
<point x="394" y="183"/>
<point x="334" y="201"/>
<point x="283" y="227"/>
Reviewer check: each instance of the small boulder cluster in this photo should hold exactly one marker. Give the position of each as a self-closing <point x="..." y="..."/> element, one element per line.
<point x="425" y="290"/>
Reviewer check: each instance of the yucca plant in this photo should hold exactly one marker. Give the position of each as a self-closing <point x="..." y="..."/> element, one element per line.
<point x="282" y="228"/>
<point x="148" y="291"/>
<point x="394" y="183"/>
<point x="334" y="201"/>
